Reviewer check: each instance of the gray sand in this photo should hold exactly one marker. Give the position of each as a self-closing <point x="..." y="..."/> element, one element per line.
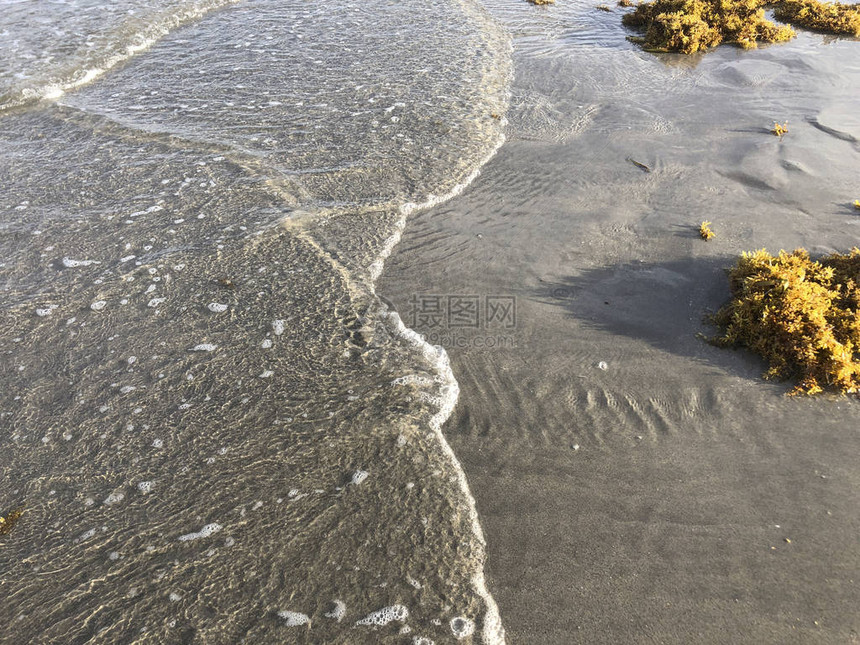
<point x="674" y="496"/>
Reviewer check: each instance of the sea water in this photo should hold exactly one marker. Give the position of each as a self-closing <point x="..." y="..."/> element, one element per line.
<point x="218" y="431"/>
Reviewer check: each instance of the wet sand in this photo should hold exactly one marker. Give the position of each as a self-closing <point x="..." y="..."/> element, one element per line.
<point x="635" y="484"/>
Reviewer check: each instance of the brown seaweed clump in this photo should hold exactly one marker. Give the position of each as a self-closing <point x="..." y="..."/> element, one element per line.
<point x="688" y="26"/>
<point x="830" y="17"/>
<point x="8" y="521"/>
<point x="540" y="2"/>
<point x="802" y="316"/>
<point x="780" y="129"/>
<point x="626" y="3"/>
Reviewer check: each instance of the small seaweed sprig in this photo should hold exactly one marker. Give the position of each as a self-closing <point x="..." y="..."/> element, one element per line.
<point x="779" y="129"/>
<point x="705" y="231"/>
<point x="8" y="521"/>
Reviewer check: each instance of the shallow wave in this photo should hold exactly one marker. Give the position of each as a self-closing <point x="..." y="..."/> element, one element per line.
<point x="45" y="52"/>
<point x="181" y="244"/>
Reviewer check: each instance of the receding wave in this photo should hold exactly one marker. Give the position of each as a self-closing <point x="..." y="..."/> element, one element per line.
<point x="218" y="429"/>
<point x="45" y="53"/>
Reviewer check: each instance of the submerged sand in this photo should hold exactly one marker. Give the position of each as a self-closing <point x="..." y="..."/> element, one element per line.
<point x="635" y="484"/>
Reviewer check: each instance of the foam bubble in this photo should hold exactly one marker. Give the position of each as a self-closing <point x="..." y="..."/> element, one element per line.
<point x="293" y="618"/>
<point x="114" y="498"/>
<point x="204" y="347"/>
<point x="152" y="304"/>
<point x="86" y="535"/>
<point x="145" y="487"/>
<point x="462" y="627"/>
<point x="382" y="617"/>
<point x="206" y="531"/>
<point x="337" y="611"/>
<point x="358" y="476"/>
<point x="70" y="263"/>
<point x="278" y="326"/>
<point x="98" y="305"/>
<point x="216" y="307"/>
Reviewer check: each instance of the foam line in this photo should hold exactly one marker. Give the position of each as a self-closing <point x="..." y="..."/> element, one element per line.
<point x="493" y="632"/>
<point x="151" y="34"/>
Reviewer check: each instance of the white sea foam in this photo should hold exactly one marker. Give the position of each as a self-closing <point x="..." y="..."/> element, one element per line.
<point x="337" y="611"/>
<point x="462" y="627"/>
<point x="293" y="618"/>
<point x="206" y="531"/>
<point x="70" y="263"/>
<point x="382" y="617"/>
<point x="114" y="498"/>
<point x="155" y="30"/>
<point x="375" y="269"/>
<point x="204" y="347"/>
<point x="86" y="535"/>
<point x="493" y="632"/>
<point x="216" y="307"/>
<point x="448" y="389"/>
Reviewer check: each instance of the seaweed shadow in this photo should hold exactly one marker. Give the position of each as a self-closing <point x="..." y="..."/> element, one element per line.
<point x="665" y="304"/>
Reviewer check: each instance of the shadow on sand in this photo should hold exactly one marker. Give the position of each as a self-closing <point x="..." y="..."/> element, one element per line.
<point x="665" y="304"/>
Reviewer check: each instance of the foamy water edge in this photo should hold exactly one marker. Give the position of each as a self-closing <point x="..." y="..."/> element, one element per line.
<point x="134" y="45"/>
<point x="493" y="632"/>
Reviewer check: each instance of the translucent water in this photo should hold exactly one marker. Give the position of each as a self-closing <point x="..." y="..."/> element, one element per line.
<point x="218" y="431"/>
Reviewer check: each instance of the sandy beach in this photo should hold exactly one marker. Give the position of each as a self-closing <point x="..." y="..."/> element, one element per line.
<point x="636" y="484"/>
<point x="385" y="323"/>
